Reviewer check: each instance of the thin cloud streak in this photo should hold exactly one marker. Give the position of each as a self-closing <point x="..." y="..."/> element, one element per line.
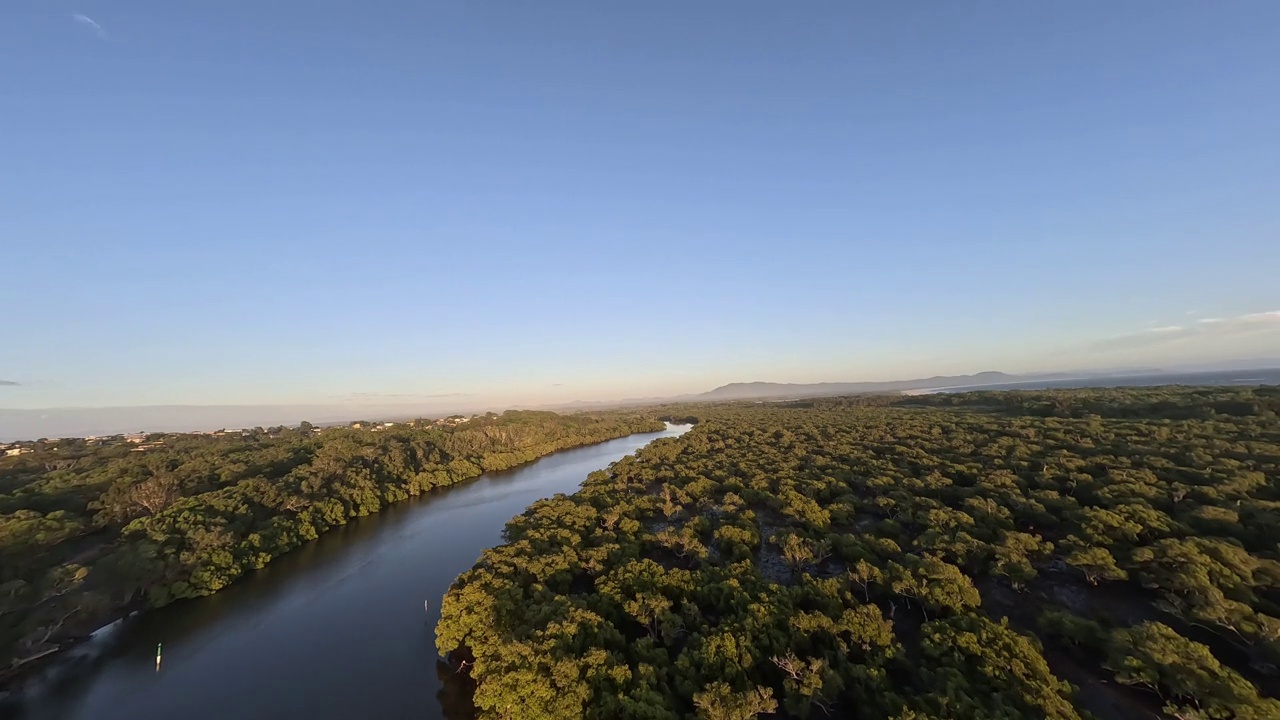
<point x="1207" y="329"/>
<point x="9" y="383"/>
<point x="92" y="24"/>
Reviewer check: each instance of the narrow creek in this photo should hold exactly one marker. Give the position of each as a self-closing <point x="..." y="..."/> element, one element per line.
<point x="335" y="629"/>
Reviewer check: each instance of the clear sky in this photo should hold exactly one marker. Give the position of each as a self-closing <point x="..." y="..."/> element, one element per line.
<point x="319" y="201"/>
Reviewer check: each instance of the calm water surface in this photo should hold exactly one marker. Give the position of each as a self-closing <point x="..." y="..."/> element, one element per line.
<point x="335" y="629"/>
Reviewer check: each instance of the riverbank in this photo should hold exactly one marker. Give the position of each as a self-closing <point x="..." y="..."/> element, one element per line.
<point x="290" y="488"/>
<point x="14" y="678"/>
<point x="334" y="629"/>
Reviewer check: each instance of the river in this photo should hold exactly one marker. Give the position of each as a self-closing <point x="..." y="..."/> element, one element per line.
<point x="335" y="629"/>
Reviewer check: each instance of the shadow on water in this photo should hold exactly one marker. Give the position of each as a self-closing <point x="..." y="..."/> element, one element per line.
<point x="456" y="692"/>
<point x="334" y="629"/>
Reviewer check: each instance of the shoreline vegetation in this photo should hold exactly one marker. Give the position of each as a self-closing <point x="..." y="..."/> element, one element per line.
<point x="1104" y="553"/>
<point x="92" y="530"/>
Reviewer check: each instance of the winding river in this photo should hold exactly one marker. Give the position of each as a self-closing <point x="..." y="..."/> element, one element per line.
<point x="335" y="629"/>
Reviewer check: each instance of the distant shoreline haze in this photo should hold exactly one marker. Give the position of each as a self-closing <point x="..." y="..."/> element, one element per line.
<point x="33" y="424"/>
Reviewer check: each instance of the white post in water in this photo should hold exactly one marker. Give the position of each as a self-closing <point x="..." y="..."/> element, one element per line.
<point x="159" y="646"/>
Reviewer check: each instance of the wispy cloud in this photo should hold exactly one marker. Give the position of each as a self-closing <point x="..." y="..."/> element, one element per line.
<point x="91" y="24"/>
<point x="1203" y="330"/>
<point x="9" y="382"/>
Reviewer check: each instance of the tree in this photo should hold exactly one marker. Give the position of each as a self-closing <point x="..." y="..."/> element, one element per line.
<point x="719" y="701"/>
<point x="935" y="584"/>
<point x="1097" y="563"/>
<point x="1072" y="630"/>
<point x="801" y="552"/>
<point x="808" y="683"/>
<point x="864" y="574"/>
<point x="1185" y="674"/>
<point x="985" y="669"/>
<point x="1013" y="557"/>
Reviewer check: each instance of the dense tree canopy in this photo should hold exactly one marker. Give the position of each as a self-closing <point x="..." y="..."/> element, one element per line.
<point x="950" y="556"/>
<point x="90" y="529"/>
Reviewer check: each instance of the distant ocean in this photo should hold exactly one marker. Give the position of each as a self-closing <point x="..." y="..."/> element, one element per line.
<point x="1233" y="377"/>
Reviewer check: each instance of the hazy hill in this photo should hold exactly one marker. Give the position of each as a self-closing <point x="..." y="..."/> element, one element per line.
<point x="1255" y="372"/>
<point x="746" y="391"/>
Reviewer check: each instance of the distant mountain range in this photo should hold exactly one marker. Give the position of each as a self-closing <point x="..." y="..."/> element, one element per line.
<point x="996" y="380"/>
<point x="762" y="390"/>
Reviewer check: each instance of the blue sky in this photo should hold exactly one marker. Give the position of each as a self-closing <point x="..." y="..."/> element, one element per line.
<point x="303" y="202"/>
